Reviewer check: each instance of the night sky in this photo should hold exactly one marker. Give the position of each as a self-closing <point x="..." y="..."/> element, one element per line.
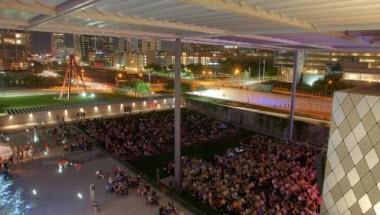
<point x="41" y="41"/>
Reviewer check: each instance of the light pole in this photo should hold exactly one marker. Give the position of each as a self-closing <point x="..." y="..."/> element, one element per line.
<point x="149" y="71"/>
<point x="259" y="69"/>
<point x="3" y="83"/>
<point x="264" y="69"/>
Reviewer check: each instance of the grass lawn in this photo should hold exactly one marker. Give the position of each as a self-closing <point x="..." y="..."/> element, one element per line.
<point x="204" y="151"/>
<point x="43" y="100"/>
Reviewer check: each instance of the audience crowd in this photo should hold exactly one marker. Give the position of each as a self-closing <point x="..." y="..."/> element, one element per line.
<point x="263" y="176"/>
<point x="133" y="136"/>
<point x="120" y="182"/>
<point x="70" y="140"/>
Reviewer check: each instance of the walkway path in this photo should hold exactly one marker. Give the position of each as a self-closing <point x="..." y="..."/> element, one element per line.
<point x="304" y="104"/>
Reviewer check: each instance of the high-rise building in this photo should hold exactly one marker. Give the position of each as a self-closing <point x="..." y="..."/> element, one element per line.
<point x="58" y="46"/>
<point x="82" y="47"/>
<point x="15" y="49"/>
<point x="355" y="66"/>
<point x="96" y="50"/>
<point x="116" y="52"/>
<point x="141" y="52"/>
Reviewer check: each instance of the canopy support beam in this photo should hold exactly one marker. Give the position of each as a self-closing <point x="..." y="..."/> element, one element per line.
<point x="297" y="70"/>
<point x="177" y="113"/>
<point x="67" y="7"/>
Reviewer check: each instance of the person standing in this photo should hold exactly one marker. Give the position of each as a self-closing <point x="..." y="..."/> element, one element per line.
<point x="6" y="170"/>
<point x="30" y="152"/>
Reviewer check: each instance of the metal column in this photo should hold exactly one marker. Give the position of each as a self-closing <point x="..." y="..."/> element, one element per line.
<point x="298" y="66"/>
<point x="177" y="113"/>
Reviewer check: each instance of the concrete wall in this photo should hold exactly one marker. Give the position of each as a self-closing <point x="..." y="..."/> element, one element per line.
<point x="91" y="110"/>
<point x="261" y="122"/>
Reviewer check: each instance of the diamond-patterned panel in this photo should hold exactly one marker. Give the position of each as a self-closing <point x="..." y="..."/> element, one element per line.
<point x="371" y="100"/>
<point x="352" y="175"/>
<point x="362" y="108"/>
<point x="376" y="109"/>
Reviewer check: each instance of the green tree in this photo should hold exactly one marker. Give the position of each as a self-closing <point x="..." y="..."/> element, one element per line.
<point x="245" y="63"/>
<point x="140" y="87"/>
<point x="196" y="69"/>
<point x="153" y="66"/>
<point x="185" y="87"/>
<point x="36" y="67"/>
<point x="32" y="81"/>
<point x="328" y="85"/>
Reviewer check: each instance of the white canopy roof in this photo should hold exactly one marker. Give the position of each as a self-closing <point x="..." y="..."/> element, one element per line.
<point x="321" y="24"/>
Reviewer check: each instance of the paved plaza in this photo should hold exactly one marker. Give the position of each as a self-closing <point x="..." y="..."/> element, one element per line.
<point x="57" y="192"/>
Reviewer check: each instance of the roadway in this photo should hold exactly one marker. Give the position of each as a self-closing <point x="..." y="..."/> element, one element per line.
<point x="320" y="106"/>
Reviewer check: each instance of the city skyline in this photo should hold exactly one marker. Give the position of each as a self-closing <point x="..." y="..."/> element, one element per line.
<point x="188" y="107"/>
<point x="41" y="41"/>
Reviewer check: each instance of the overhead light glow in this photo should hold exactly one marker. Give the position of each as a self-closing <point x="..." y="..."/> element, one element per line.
<point x="79" y="195"/>
<point x="83" y="94"/>
<point x="34" y="192"/>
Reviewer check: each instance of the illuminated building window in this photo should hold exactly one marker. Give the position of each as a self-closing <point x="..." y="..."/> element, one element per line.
<point x="361" y="77"/>
<point x="9" y="41"/>
<point x="367" y="60"/>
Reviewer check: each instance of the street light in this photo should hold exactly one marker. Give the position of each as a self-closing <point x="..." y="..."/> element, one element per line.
<point x="329" y="82"/>
<point x="237" y="72"/>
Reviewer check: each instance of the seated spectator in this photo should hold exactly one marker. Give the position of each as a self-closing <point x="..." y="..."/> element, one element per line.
<point x="267" y="176"/>
<point x="134" y="136"/>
